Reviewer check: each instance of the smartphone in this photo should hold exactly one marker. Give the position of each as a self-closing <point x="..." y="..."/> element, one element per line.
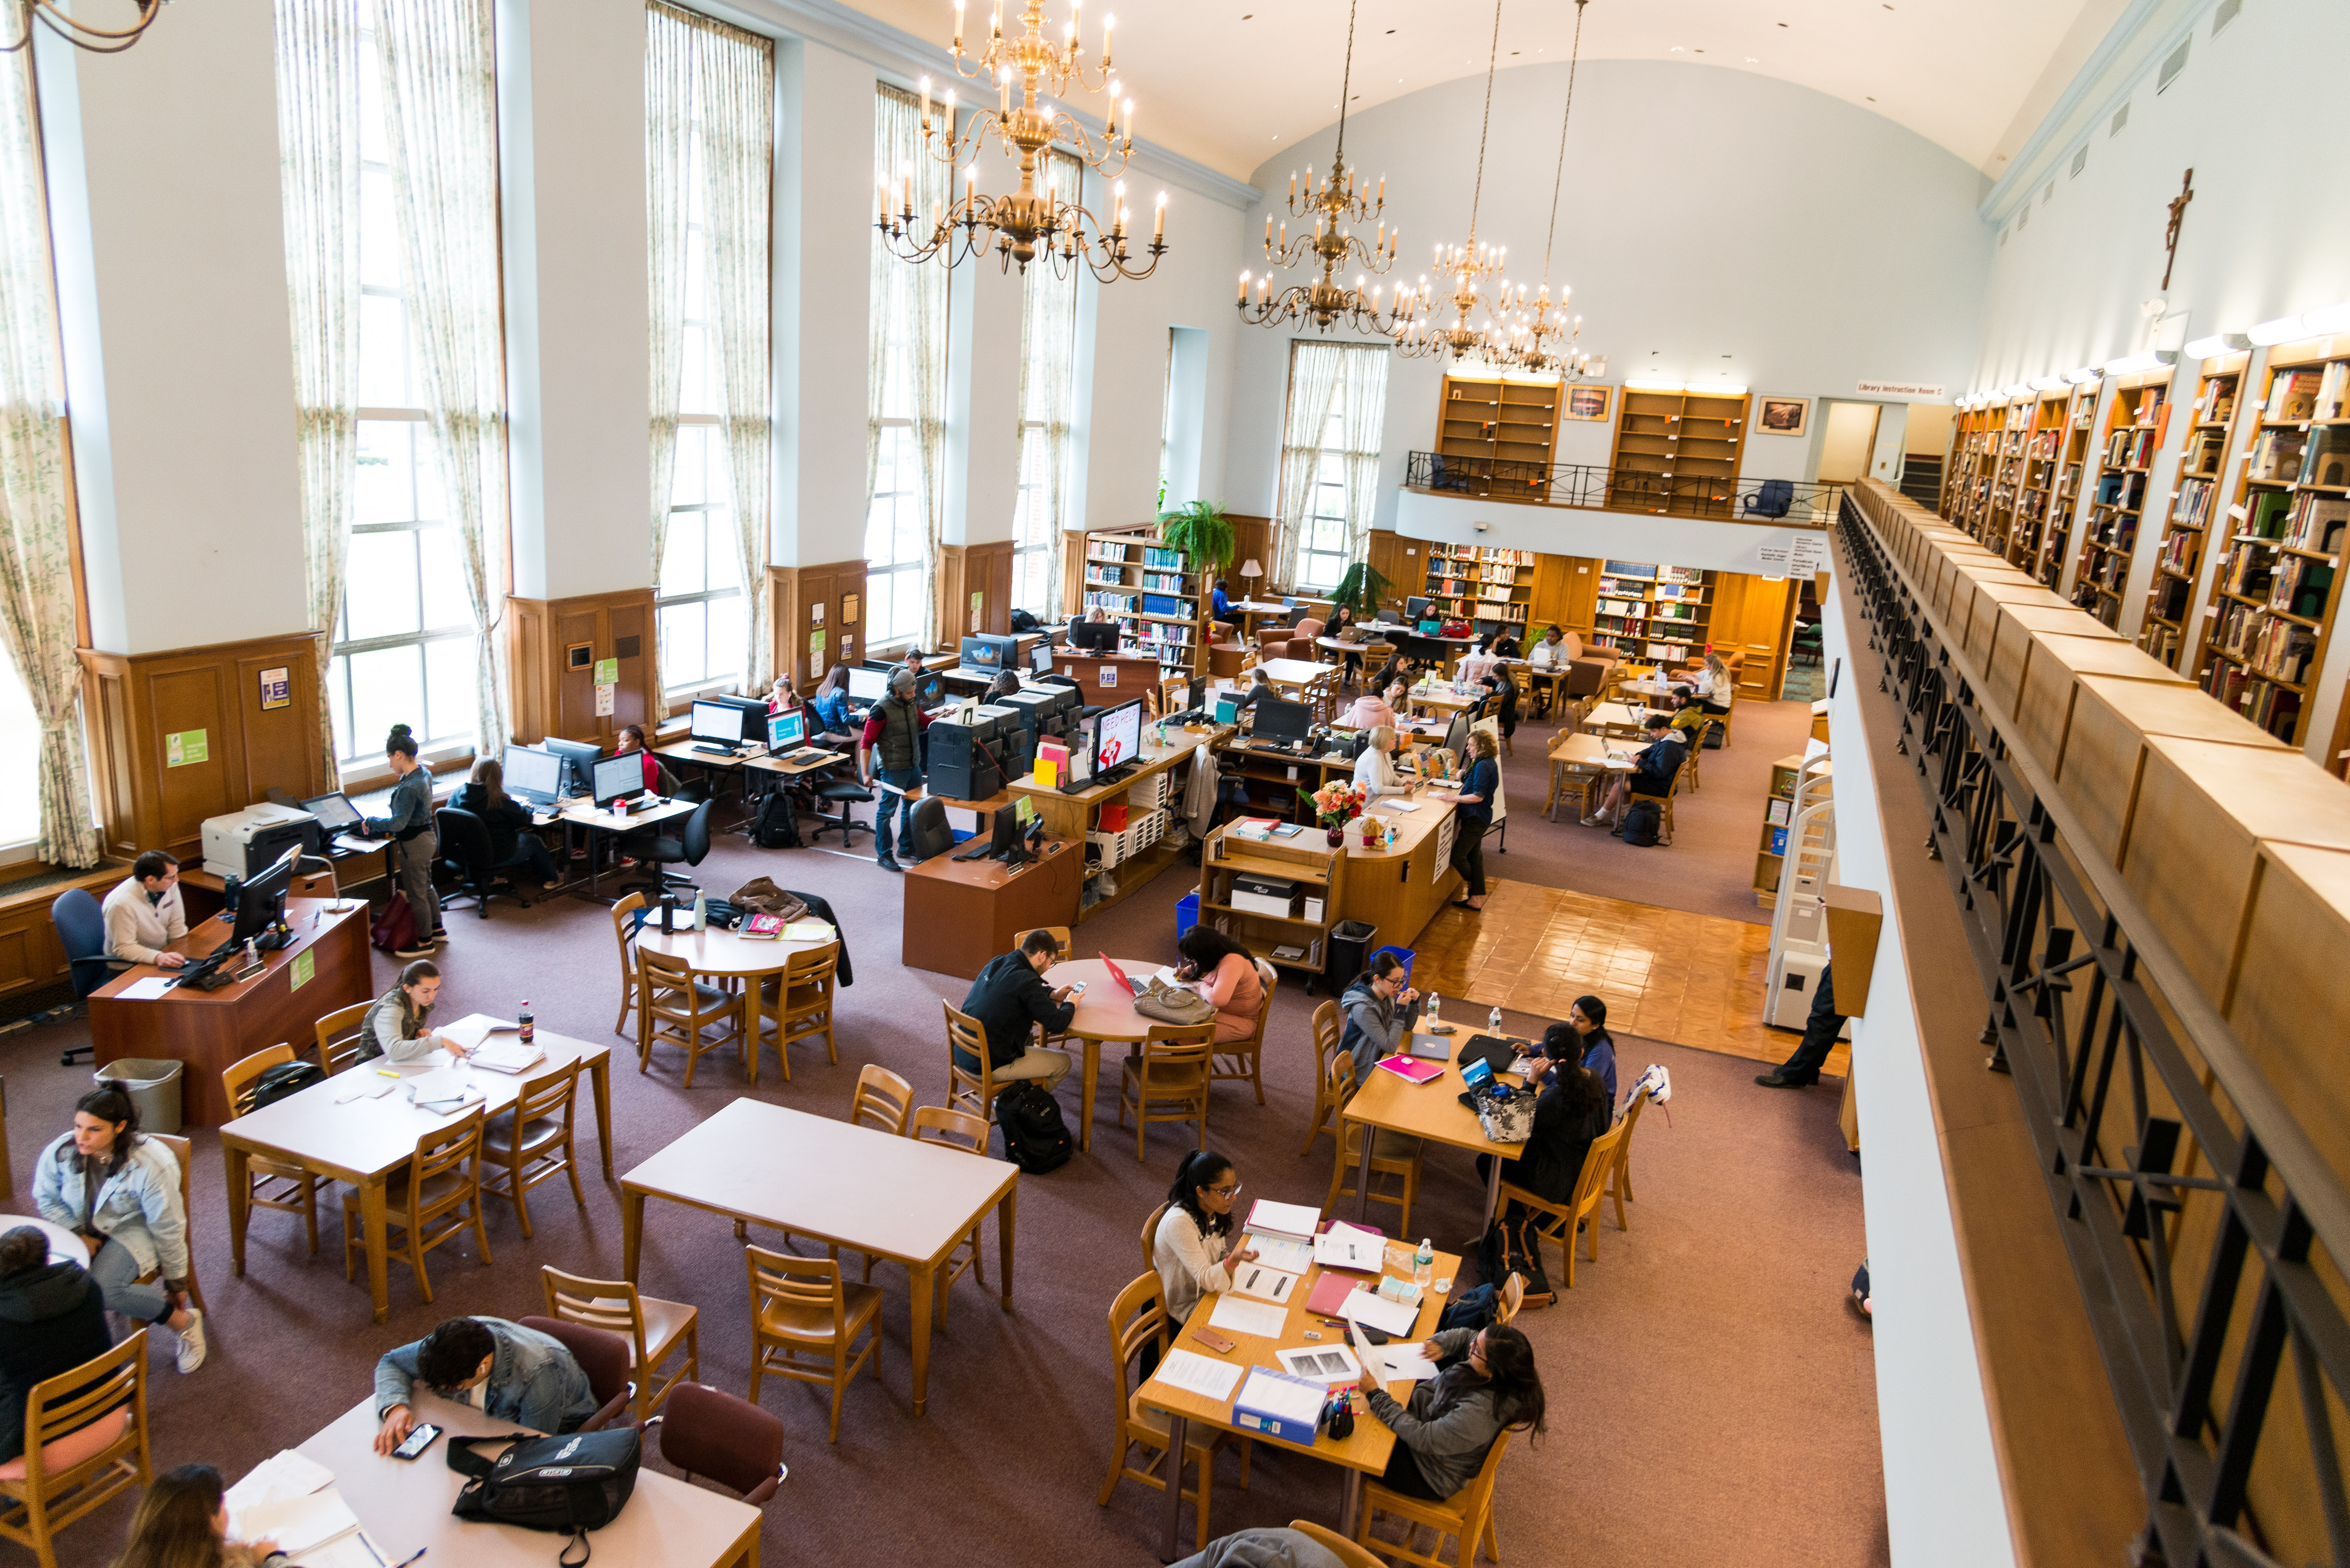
<point x="1216" y="1341"/>
<point x="418" y="1441"/>
<point x="1077" y="989"/>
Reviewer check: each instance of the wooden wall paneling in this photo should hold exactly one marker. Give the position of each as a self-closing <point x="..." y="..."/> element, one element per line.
<point x="793" y="594"/>
<point x="786" y="643"/>
<point x="987" y="570"/>
<point x="954" y="602"/>
<point x="1554" y="590"/>
<point x="30" y="954"/>
<point x="1394" y="557"/>
<point x="1073" y="570"/>
<point x="530" y="668"/>
<point x="550" y="697"/>
<point x="1253" y="541"/>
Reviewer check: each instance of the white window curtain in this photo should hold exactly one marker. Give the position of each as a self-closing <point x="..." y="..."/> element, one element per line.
<point x="1364" y="378"/>
<point x="1048" y="349"/>
<point x="318" y="176"/>
<point x="440" y="93"/>
<point x="914" y="295"/>
<point x="37" y="620"/>
<point x="1316" y="372"/>
<point x="703" y="75"/>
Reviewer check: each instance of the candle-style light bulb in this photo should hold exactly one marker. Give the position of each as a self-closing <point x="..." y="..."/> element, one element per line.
<point x="1129" y="125"/>
<point x="1004" y="101"/>
<point x="1109" y="25"/>
<point x="925" y="106"/>
<point x="1159" y="228"/>
<point x="1243" y="288"/>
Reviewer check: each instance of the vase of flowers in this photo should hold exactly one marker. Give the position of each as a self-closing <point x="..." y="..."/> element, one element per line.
<point x="1334" y="805"/>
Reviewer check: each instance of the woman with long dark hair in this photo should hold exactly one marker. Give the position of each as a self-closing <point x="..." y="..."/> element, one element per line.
<point x="409" y="819"/>
<point x="831" y="700"/>
<point x="513" y="846"/>
<point x="1571" y="1109"/>
<point x="1193" y="1247"/>
<point x="182" y="1523"/>
<point x="119" y="1192"/>
<point x="1595" y="1048"/>
<point x="1488" y="1382"/>
<point x="1222" y="971"/>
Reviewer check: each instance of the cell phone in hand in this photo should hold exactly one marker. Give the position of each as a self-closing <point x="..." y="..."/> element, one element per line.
<point x="419" y="1439"/>
<point x="1077" y="987"/>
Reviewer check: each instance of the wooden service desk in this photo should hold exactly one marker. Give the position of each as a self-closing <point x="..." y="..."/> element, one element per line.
<point x="364" y="1140"/>
<point x="1107" y="680"/>
<point x="1365" y="1453"/>
<point x="960" y="913"/>
<point x="324" y="967"/>
<point x="203" y="895"/>
<point x="1433" y="1111"/>
<point x="857" y="1187"/>
<point x="1400" y="888"/>
<point x="404" y="1504"/>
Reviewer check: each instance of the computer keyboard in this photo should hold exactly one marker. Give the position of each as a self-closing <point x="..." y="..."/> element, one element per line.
<point x="713" y="749"/>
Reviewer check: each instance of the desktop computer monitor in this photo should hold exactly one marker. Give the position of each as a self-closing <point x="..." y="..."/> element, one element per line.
<point x="1415" y="608"/>
<point x="867" y="685"/>
<point x="1093" y="635"/>
<point x="1040" y="659"/>
<point x="1280" y="721"/>
<point x="1197" y="698"/>
<point x="786" y="731"/>
<point x="262" y="898"/>
<point x="1004" y="833"/>
<point x="1456" y="735"/>
<point x="720" y="721"/>
<point x="1118" y="737"/>
<point x="616" y="778"/>
<point x="578" y="760"/>
<point x="989" y="651"/>
<point x="533" y="776"/>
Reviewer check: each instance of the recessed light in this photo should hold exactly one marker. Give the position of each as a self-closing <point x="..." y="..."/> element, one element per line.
<point x="1750" y="59"/>
<point x="1674" y="50"/>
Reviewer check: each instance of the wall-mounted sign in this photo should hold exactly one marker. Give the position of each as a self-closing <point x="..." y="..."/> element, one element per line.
<point x="978" y="600"/>
<point x="1899" y="389"/>
<point x="848" y="609"/>
<point x="606" y="700"/>
<point x="816" y="612"/>
<point x="607" y="672"/>
<point x="306" y="965"/>
<point x="276" y="689"/>
<point x="1772" y="560"/>
<point x="183" y="747"/>
<point x="1808" y="555"/>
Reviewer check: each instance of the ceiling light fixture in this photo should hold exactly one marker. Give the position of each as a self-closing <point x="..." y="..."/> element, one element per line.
<point x="1534" y="342"/>
<point x="81" y="35"/>
<point x="2049" y="383"/>
<point x="2146" y="359"/>
<point x="2284" y="329"/>
<point x="2326" y="322"/>
<point x="2217" y="345"/>
<point x="1467" y="265"/>
<point x="2084" y="376"/>
<point x="1027" y="224"/>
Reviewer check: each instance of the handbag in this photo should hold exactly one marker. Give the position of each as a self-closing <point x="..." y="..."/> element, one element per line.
<point x="1507" y="1117"/>
<point x="761" y="894"/>
<point x="570" y="1484"/>
<point x="1171" y="1003"/>
<point x="395" y="928"/>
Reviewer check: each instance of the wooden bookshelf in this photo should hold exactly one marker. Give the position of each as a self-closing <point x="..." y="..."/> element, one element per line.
<point x="2167" y="630"/>
<point x="1651" y="614"/>
<point x="1677" y="452"/>
<point x="2136" y="422"/>
<point x="2072" y="474"/>
<point x="2273" y="598"/>
<point x="1778" y="824"/>
<point x="1318" y="872"/>
<point x="1489" y="418"/>
<point x="1490" y="587"/>
<point x="2030" y="480"/>
<point x="1161" y="606"/>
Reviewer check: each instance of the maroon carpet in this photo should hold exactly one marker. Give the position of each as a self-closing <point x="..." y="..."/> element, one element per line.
<point x="1711" y="1397"/>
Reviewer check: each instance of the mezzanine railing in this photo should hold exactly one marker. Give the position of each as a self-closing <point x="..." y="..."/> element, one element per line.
<point x="1785" y="502"/>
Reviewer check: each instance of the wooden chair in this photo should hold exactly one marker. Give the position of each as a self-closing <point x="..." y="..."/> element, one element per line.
<point x="288" y="1189"/>
<point x="977" y="1086"/>
<point x="532" y="1143"/>
<point x="623" y="933"/>
<point x="799" y="1004"/>
<point x="1338" y="1080"/>
<point x="1348" y="1555"/>
<point x="804" y="1322"/>
<point x="1167" y="1080"/>
<point x="953" y="1129"/>
<point x="339" y="1037"/>
<point x="674" y="1009"/>
<point x="650" y="1328"/>
<point x="1513" y="1298"/>
<point x="1467" y="1515"/>
<point x="1557" y="1222"/>
<point x="1151" y="1237"/>
<point x="181" y="1151"/>
<point x="1329" y="1028"/>
<point x="604" y="1358"/>
<point x="422" y="1203"/>
<point x="1245" y="1058"/>
<point x="1619" y="1172"/>
<point x="1136" y="1317"/>
<point x="708" y="1432"/>
<point x="90" y="1469"/>
<point x="883" y="1100"/>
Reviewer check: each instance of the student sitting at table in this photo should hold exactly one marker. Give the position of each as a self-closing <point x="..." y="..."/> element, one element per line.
<point x="396" y="1026"/>
<point x="830" y="702"/>
<point x="1009" y="998"/>
<point x="52" y="1319"/>
<point x="525" y="1377"/>
<point x="1487" y="1382"/>
<point x="1221" y="970"/>
<point x="1399" y="669"/>
<point x="1474" y="666"/>
<point x="1264" y="1548"/>
<point x="1571" y="1108"/>
<point x="144" y="914"/>
<point x="1260" y="685"/>
<point x="1715" y="686"/>
<point x="631" y="738"/>
<point x="1652" y="778"/>
<point x="1551" y="652"/>
<point x="1503" y="644"/>
<point x="1372" y="709"/>
<point x="181" y="1521"/>
<point x="511" y="843"/>
<point x="1689" y="720"/>
<point x="1192" y="1249"/>
<point x="1504" y="687"/>
<point x="119" y="1192"/>
<point x="1594" y="1047"/>
<point x="1220" y="602"/>
<point x="1007" y="682"/>
<point x="1374" y="767"/>
<point x="1380" y="1009"/>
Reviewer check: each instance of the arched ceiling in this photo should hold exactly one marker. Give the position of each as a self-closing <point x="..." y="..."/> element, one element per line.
<point x="1232" y="82"/>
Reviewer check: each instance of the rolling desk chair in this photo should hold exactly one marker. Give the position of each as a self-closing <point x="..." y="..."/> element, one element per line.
<point x="466" y="848"/>
<point x="689" y="847"/>
<point x="848" y="791"/>
<point x="81" y="931"/>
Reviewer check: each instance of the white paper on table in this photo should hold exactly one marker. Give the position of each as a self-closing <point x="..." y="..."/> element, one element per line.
<point x="1331" y="1364"/>
<point x="1238" y="1314"/>
<point x="1293" y="1220"/>
<point x="1264" y="1281"/>
<point x="285" y="1474"/>
<point x="444" y="1090"/>
<point x="1165" y="975"/>
<point x="1349" y="1249"/>
<point x="471" y="1032"/>
<point x="1196" y="1374"/>
<point x="367" y="1086"/>
<point x="146" y="989"/>
<point x="1394" y="803"/>
<point x="1369" y="1308"/>
<point x="352" y="1550"/>
<point x="298" y="1523"/>
<point x="1281" y="1252"/>
<point x="1413" y="1362"/>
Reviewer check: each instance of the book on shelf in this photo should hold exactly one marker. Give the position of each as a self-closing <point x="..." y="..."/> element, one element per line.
<point x="2317" y="522"/>
<point x="2248" y="571"/>
<point x="2276" y="455"/>
<point x="2264" y="513"/>
<point x="2332" y="392"/>
<point x="2293" y="395"/>
<point x="2327" y="459"/>
<point x="2299" y="587"/>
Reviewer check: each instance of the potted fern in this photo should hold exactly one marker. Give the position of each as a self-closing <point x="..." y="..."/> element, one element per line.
<point x="1362" y="588"/>
<point x="1203" y="532"/>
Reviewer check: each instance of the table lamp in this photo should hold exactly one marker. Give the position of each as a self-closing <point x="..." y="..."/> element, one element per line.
<point x="1249" y="569"/>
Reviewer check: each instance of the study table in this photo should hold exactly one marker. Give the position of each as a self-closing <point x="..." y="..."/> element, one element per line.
<point x="592" y="819"/>
<point x="1617" y="720"/>
<point x="65" y="1247"/>
<point x="326" y="967"/>
<point x="404" y="1505"/>
<point x="1104" y="1013"/>
<point x="958" y="914"/>
<point x="1581" y="758"/>
<point x="1249" y="612"/>
<point x="730" y="955"/>
<point x="1433" y="1111"/>
<point x="834" y="1182"/>
<point x="364" y="1141"/>
<point x="1363" y="1453"/>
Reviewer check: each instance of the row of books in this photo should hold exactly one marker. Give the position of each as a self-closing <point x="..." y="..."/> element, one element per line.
<point x="2177" y="553"/>
<point x="2270" y="706"/>
<point x="1167" y="582"/>
<point x="1115" y="604"/>
<point x="2130" y="447"/>
<point x="2309" y="394"/>
<point x="2249" y="570"/>
<point x="2266" y="645"/>
<point x="2161" y="642"/>
<point x="1493" y="553"/>
<point x="2193" y="508"/>
<point x="2300" y="586"/>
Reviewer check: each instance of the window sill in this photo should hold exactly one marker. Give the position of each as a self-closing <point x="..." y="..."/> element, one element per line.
<point x="449" y="759"/>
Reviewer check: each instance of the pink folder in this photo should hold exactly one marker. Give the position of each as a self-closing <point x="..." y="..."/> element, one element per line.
<point x="1412" y="1069"/>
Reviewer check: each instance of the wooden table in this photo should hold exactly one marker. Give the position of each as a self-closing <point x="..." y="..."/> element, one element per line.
<point x="1433" y="1111"/>
<point x="404" y="1504"/>
<point x="852" y="1186"/>
<point x="730" y="955"/>
<point x="1294" y="674"/>
<point x="1103" y="1013"/>
<point x="1579" y="756"/>
<point x="581" y="813"/>
<point x="65" y="1247"/>
<point x="1437" y="699"/>
<point x="364" y="1141"/>
<point x="326" y="967"/>
<point x="1613" y="718"/>
<point x="960" y="913"/>
<point x="1249" y="612"/>
<point x="1366" y="1453"/>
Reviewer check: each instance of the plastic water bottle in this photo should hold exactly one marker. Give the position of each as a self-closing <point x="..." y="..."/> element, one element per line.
<point x="700" y="912"/>
<point x="529" y="1025"/>
<point x="1494" y="1021"/>
<point x="1435" y="1010"/>
<point x="1423" y="1263"/>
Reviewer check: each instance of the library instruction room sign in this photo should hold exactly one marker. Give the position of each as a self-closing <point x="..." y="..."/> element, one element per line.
<point x="1899" y="389"/>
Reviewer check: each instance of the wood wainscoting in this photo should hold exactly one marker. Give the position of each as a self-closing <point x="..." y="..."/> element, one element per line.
<point x="551" y="664"/>
<point x="804" y="600"/>
<point x="964" y="570"/>
<point x="231" y="749"/>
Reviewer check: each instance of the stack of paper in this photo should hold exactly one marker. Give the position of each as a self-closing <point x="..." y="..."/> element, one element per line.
<point x="1294" y="1221"/>
<point x="363" y="1084"/>
<point x="1196" y="1374"/>
<point x="508" y="1057"/>
<point x="1264" y="1282"/>
<point x="808" y="931"/>
<point x="444" y="1090"/>
<point x="1374" y="1311"/>
<point x="472" y="1032"/>
<point x="1343" y="1247"/>
<point x="1283" y="1253"/>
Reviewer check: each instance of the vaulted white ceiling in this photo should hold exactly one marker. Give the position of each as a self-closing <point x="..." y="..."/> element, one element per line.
<point x="1231" y="83"/>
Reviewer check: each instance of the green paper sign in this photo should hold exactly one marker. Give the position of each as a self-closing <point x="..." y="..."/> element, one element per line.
<point x="608" y="671"/>
<point x="305" y="965"/>
<point x="181" y="747"/>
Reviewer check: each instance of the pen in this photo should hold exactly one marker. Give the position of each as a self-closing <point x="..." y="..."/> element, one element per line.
<point x="411" y="1557"/>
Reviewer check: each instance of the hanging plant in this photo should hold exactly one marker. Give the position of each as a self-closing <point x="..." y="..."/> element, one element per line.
<point x="1203" y="532"/>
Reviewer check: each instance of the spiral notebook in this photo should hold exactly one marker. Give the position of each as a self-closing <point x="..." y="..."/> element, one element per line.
<point x="1411" y="1069"/>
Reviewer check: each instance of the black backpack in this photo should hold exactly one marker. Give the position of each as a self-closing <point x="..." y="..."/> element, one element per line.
<point x="1034" y="1138"/>
<point x="1512" y="1246"/>
<point x="778" y="826"/>
<point x="568" y="1484"/>
<point x="275" y="1083"/>
<point x="1643" y="821"/>
<point x="1023" y="621"/>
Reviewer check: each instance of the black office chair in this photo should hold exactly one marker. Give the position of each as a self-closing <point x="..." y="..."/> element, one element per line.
<point x="81" y="931"/>
<point x="1773" y="500"/>
<point x="928" y="832"/>
<point x="689" y="847"/>
<point x="847" y="792"/>
<point x="466" y="850"/>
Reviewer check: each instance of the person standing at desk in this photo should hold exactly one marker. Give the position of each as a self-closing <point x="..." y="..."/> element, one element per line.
<point x="409" y="821"/>
<point x="1475" y="799"/>
<point x="144" y="912"/>
<point x="892" y="755"/>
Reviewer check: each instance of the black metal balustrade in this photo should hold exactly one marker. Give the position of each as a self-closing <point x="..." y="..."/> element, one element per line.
<point x="2204" y="1230"/>
<point x="1598" y="487"/>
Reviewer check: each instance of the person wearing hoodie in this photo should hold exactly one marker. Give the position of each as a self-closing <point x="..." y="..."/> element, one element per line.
<point x="52" y="1319"/>
<point x="119" y="1192"/>
<point x="1380" y="1009"/>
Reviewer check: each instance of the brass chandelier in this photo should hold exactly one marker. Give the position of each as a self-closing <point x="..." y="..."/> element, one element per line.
<point x="1468" y="265"/>
<point x="1534" y="340"/>
<point x="1341" y="199"/>
<point x="80" y="34"/>
<point x="1027" y="222"/>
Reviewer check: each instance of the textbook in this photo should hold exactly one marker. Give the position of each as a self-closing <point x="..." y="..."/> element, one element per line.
<point x="1293" y="1221"/>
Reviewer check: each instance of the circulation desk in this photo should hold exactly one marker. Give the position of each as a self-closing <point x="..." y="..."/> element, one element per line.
<point x="324" y="968"/>
<point x="1072" y="816"/>
<point x="960" y="913"/>
<point x="1401" y="888"/>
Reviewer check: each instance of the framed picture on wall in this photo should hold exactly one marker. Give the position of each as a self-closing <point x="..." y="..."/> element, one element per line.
<point x="1589" y="402"/>
<point x="1782" y="416"/>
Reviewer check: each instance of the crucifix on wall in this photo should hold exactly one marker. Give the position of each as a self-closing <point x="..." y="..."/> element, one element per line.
<point x="2177" y="215"/>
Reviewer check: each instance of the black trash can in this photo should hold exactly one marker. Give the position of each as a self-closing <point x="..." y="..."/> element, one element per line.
<point x="1350" y="945"/>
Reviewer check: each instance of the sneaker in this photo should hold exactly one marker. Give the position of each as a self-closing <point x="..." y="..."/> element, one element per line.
<point x="549" y="887"/>
<point x="440" y="938"/>
<point x="192" y="1341"/>
<point x="1597" y="819"/>
<point x="422" y="949"/>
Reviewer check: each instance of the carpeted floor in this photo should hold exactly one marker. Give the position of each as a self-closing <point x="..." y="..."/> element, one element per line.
<point x="1711" y="1395"/>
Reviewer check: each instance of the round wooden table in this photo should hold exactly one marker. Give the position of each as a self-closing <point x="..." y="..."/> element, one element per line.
<point x="63" y="1245"/>
<point x="1103" y="1013"/>
<point x="727" y="955"/>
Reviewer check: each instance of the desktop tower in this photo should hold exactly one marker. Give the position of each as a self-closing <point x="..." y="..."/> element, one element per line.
<point x="961" y="764"/>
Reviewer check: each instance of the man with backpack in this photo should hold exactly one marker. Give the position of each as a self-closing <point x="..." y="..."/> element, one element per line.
<point x="1651" y="777"/>
<point x="1009" y="998"/>
<point x="525" y="1376"/>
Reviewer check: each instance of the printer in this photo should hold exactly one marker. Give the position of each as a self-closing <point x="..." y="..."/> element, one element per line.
<point x="245" y="842"/>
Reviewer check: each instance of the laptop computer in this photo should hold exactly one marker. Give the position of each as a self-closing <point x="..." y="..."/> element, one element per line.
<point x="342" y="823"/>
<point x="1431" y="1047"/>
<point x="1117" y="974"/>
<point x="1491" y="1049"/>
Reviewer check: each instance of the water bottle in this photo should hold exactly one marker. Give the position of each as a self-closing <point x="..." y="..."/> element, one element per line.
<point x="529" y="1025"/>
<point x="1423" y="1263"/>
<point x="1494" y="1021"/>
<point x="1435" y="1010"/>
<point x="700" y="912"/>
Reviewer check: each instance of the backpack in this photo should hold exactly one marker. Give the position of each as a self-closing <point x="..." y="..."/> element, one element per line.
<point x="1714" y="735"/>
<point x="1643" y="821"/>
<point x="1034" y="1138"/>
<point x="570" y="1484"/>
<point x="778" y="824"/>
<point x="1513" y="1247"/>
<point x="1473" y="1310"/>
<point x="275" y="1083"/>
<point x="395" y="929"/>
<point x="1023" y="621"/>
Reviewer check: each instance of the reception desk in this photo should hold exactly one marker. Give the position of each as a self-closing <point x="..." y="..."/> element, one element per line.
<point x="1401" y="889"/>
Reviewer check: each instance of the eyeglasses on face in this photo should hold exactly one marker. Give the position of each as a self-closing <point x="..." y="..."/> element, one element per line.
<point x="1230" y="1190"/>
